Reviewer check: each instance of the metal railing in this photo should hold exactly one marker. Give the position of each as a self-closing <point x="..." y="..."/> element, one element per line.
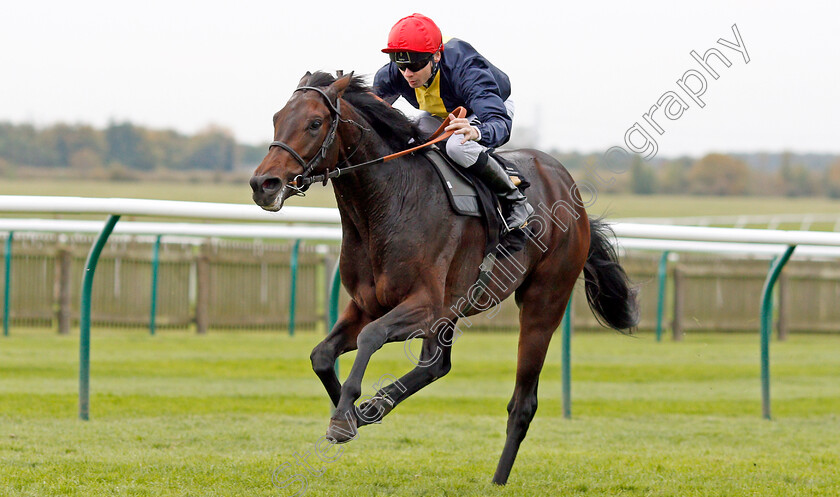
<point x="651" y="237"/>
<point x="805" y="222"/>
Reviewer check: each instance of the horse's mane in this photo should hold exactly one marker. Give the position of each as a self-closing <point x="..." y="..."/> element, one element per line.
<point x="389" y="123"/>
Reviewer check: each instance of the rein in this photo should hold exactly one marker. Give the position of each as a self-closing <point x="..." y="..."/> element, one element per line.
<point x="302" y="181"/>
<point x="436" y="137"/>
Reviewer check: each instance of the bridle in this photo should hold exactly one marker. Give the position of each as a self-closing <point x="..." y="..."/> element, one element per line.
<point x="300" y="182"/>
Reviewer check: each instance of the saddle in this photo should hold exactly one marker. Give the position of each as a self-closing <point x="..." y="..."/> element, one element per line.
<point x="470" y="197"/>
<point x="460" y="188"/>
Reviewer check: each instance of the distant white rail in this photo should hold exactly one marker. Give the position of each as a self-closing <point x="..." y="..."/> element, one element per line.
<point x="165" y="208"/>
<point x="737" y="235"/>
<point x="770" y="221"/>
<point x="769" y="250"/>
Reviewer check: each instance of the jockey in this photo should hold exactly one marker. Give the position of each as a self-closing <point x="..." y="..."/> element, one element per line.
<point x="437" y="77"/>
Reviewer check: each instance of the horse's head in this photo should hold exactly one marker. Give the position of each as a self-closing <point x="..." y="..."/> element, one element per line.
<point x="304" y="142"/>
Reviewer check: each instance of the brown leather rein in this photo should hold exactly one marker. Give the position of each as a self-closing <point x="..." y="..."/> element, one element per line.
<point x="301" y="181"/>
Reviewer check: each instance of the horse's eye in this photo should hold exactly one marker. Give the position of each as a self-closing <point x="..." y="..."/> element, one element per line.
<point x="315" y="125"/>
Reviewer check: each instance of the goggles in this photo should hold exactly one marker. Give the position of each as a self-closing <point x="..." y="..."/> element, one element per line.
<point x="413" y="61"/>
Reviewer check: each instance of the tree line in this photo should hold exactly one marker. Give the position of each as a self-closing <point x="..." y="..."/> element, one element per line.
<point x="121" y="145"/>
<point x="717" y="174"/>
<point x="123" y="150"/>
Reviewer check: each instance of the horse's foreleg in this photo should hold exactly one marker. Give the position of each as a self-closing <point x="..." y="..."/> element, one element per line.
<point x="396" y="325"/>
<point x="434" y="362"/>
<point x="341" y="339"/>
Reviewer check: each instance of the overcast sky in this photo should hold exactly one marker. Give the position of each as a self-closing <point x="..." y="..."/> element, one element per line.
<point x="583" y="72"/>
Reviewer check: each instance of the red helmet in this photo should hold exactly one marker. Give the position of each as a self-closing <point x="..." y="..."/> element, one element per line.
<point x="415" y="33"/>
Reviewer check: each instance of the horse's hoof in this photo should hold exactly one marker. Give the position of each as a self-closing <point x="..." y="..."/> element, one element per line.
<point x="373" y="410"/>
<point x="342" y="429"/>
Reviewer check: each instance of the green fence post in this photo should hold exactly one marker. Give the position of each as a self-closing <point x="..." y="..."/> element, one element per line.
<point x="293" y="269"/>
<point x="84" y="318"/>
<point x="7" y="283"/>
<point x="567" y="360"/>
<point x="767" y="324"/>
<point x="155" y="267"/>
<point x="660" y="299"/>
<point x="332" y="305"/>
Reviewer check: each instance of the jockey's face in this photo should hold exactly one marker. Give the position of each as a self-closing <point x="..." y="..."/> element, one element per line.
<point x="416" y="79"/>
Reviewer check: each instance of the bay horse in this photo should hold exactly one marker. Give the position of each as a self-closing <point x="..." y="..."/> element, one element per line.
<point x="410" y="264"/>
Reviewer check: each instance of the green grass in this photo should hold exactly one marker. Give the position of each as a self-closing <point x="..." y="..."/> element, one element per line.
<point x="233" y="193"/>
<point x="612" y="205"/>
<point x="185" y="415"/>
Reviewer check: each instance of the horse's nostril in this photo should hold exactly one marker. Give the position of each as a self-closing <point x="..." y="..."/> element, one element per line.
<point x="265" y="184"/>
<point x="271" y="185"/>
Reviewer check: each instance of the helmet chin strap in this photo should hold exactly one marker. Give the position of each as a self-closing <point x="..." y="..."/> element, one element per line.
<point x="435" y="68"/>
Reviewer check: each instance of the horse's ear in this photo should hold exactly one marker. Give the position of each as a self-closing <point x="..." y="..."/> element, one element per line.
<point x="341" y="84"/>
<point x="305" y="79"/>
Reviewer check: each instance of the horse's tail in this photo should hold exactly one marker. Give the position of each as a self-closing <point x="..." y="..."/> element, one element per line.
<point x="608" y="288"/>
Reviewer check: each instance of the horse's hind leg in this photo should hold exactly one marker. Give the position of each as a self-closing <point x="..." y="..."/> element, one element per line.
<point x="341" y="339"/>
<point x="540" y="314"/>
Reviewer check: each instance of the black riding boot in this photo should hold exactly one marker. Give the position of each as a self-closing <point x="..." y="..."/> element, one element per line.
<point x="514" y="204"/>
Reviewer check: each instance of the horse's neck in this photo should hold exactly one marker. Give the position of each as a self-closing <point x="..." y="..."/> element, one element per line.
<point x="366" y="195"/>
<point x="371" y="197"/>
